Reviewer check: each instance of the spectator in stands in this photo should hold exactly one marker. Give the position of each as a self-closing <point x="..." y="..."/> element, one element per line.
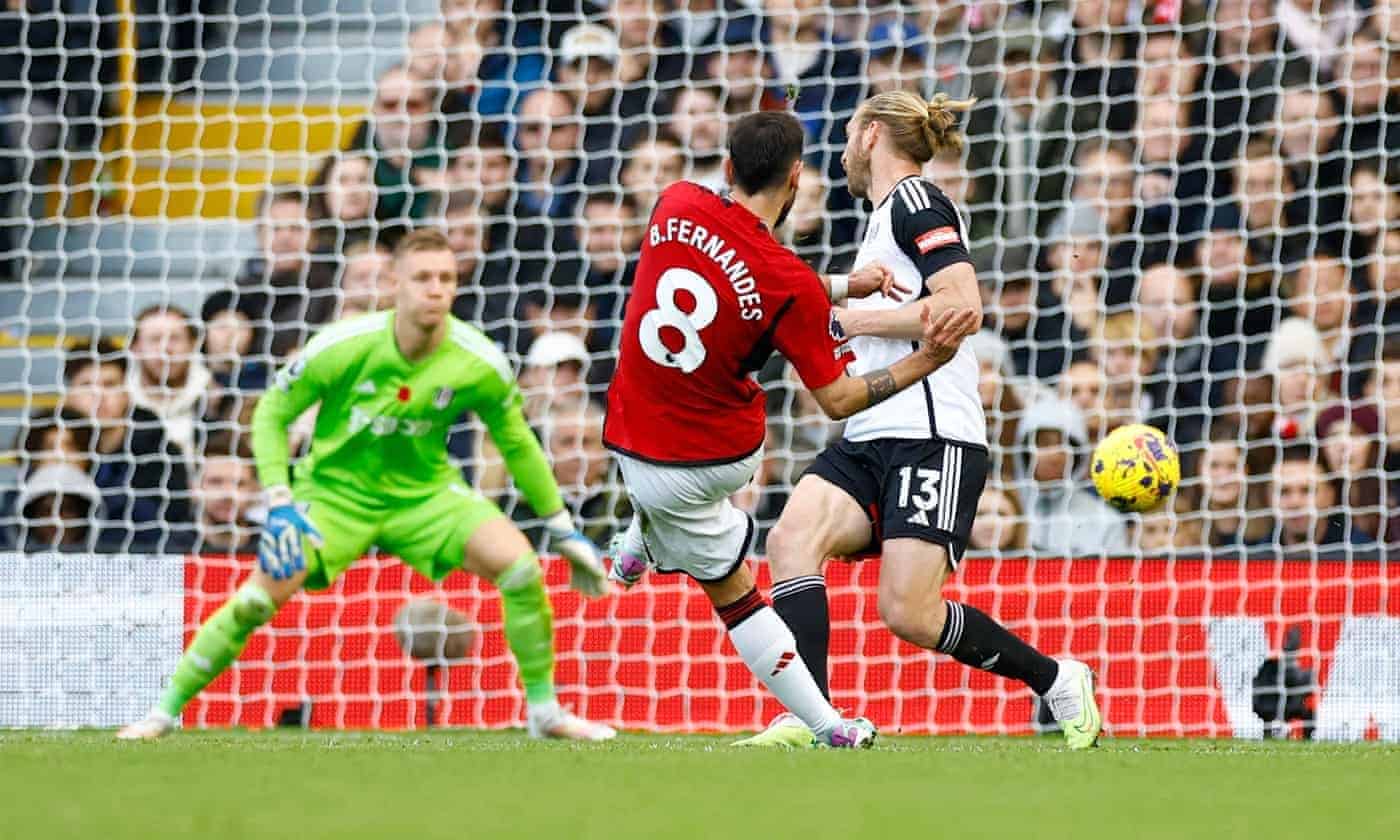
<point x="946" y="170"/>
<point x="550" y="176"/>
<point x="237" y="373"/>
<point x="503" y="55"/>
<point x="407" y="138"/>
<point x="1170" y="67"/>
<point x="1297" y="359"/>
<point x="653" y="63"/>
<point x="1174" y="180"/>
<point x="1242" y="305"/>
<point x="1000" y="396"/>
<point x="1372" y="209"/>
<point x="445" y="67"/>
<point x="342" y="200"/>
<point x="286" y="289"/>
<point x="826" y="70"/>
<point x="60" y="435"/>
<point x="611" y="238"/>
<point x="1179" y="386"/>
<point x="587" y="70"/>
<point x="169" y="378"/>
<point x="226" y="496"/>
<point x="1251" y="59"/>
<point x="1305" y="506"/>
<point x="485" y="293"/>
<point x="698" y="123"/>
<point x="1125" y="346"/>
<point x="584" y="469"/>
<point x="1064" y="516"/>
<point x="1020" y="143"/>
<point x="53" y="442"/>
<point x="1383" y="391"/>
<point x="141" y="474"/>
<point x="898" y="59"/>
<point x="484" y="172"/>
<point x="1318" y="28"/>
<point x="1224" y="502"/>
<point x="806" y="231"/>
<point x="1320" y="292"/>
<point x="1103" y="179"/>
<point x="1265" y="193"/>
<point x="366" y="279"/>
<point x="1084" y="386"/>
<point x="1078" y="239"/>
<point x="1349" y="435"/>
<point x="1028" y="316"/>
<point x="1000" y="525"/>
<point x="649" y="168"/>
<point x="58" y="506"/>
<point x="1311" y="142"/>
<point x="1370" y="128"/>
<point x="1098" y="70"/>
<point x="740" y="68"/>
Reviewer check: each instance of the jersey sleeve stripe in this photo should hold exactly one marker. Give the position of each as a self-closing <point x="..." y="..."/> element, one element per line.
<point x="908" y="199"/>
<point x="483" y="348"/>
<point x="921" y="193"/>
<point x="344" y="331"/>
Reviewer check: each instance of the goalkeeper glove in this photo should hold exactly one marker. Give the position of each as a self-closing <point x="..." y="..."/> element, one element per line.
<point x="280" y="550"/>
<point x="587" y="574"/>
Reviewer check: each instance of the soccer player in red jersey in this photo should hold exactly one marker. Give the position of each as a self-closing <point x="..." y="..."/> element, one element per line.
<point x="715" y="295"/>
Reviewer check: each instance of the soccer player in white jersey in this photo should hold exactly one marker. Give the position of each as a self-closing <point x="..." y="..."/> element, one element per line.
<point x="905" y="479"/>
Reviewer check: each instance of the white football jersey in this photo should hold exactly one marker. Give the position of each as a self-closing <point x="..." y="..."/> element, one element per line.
<point x="916" y="232"/>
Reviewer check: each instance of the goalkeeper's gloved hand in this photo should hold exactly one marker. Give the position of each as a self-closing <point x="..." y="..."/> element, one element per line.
<point x="587" y="574"/>
<point x="280" y="550"/>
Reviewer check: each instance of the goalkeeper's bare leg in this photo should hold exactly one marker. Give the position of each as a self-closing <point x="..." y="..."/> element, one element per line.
<point x="822" y="520"/>
<point x="766" y="645"/>
<point x="496" y="551"/>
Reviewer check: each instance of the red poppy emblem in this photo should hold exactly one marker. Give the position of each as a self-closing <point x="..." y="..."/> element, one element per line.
<point x="404" y="393"/>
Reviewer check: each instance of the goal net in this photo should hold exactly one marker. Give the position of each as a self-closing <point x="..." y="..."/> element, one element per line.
<point x="1181" y="213"/>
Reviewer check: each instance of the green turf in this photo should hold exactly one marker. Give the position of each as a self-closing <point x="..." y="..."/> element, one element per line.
<point x="212" y="785"/>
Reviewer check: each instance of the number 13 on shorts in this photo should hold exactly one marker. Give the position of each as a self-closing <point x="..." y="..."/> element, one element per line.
<point x="924" y="498"/>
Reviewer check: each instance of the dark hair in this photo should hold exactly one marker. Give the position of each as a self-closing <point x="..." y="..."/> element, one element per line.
<point x="613" y="198"/>
<point x="163" y="309"/>
<point x="1304" y="452"/>
<point x="316" y="207"/>
<point x="279" y="194"/>
<point x="227" y="443"/>
<point x="97" y="351"/>
<point x="44" y="420"/>
<point x="763" y="147"/>
<point x="1390" y="350"/>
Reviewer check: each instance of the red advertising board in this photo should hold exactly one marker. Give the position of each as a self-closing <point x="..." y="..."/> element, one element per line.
<point x="1175" y="644"/>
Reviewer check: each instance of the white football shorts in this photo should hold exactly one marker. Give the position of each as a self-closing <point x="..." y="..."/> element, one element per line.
<point x="684" y="521"/>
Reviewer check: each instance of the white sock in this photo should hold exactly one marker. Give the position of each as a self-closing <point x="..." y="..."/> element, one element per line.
<point x="632" y="541"/>
<point x="769" y="649"/>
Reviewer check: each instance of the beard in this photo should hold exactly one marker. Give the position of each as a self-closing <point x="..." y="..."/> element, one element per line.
<point x="787" y="208"/>
<point x="858" y="177"/>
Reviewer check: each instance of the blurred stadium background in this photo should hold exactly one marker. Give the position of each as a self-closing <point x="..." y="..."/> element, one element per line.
<point x="1184" y="213"/>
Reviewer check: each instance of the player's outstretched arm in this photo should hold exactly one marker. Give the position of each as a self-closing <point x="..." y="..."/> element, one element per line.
<point x="865" y="281"/>
<point x="941" y="334"/>
<point x="954" y="287"/>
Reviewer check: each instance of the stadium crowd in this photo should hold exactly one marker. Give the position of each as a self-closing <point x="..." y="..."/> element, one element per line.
<point x="1182" y="215"/>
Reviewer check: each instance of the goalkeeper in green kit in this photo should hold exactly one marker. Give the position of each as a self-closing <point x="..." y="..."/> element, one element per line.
<point x="390" y="384"/>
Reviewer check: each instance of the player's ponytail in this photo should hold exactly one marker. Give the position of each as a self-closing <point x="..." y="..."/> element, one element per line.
<point x="919" y="129"/>
<point x="940" y="123"/>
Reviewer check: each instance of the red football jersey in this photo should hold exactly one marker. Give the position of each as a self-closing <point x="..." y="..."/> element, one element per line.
<point x="713" y="296"/>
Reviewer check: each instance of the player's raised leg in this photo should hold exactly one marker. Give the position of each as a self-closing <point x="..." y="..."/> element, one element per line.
<point x="498" y="552"/>
<point x="766" y="645"/>
<point x="912" y="575"/>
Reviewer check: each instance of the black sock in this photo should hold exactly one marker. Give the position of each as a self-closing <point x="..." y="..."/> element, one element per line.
<point x="973" y="638"/>
<point x="801" y="603"/>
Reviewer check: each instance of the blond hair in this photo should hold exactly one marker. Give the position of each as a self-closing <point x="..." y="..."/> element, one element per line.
<point x="919" y="128"/>
<point x="423" y="239"/>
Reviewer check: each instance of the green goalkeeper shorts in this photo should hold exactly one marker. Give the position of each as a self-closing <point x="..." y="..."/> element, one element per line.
<point x="429" y="536"/>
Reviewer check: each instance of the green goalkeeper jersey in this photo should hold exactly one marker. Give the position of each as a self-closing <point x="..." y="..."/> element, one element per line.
<point x="381" y="430"/>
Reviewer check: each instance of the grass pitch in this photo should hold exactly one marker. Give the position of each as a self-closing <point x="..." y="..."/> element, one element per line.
<point x="455" y="784"/>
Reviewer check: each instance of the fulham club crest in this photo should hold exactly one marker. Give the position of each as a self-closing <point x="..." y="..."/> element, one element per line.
<point x="442" y="398"/>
